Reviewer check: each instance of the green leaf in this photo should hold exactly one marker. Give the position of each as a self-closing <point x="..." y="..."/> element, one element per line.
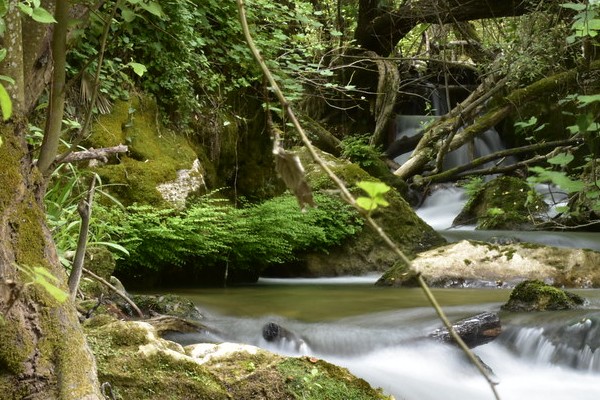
<point x="574" y="6"/>
<point x="5" y="103"/>
<point x="561" y="159"/>
<point x="25" y="9"/>
<point x="585" y="100"/>
<point x="373" y="189"/>
<point x="366" y="203"/>
<point x="128" y="15"/>
<point x="138" y="68"/>
<point x="39" y="14"/>
<point x="3" y="53"/>
<point x="3" y="8"/>
<point x="153" y="8"/>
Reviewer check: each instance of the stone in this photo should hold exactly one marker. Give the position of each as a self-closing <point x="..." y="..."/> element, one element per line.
<point x="535" y="295"/>
<point x="479" y="264"/>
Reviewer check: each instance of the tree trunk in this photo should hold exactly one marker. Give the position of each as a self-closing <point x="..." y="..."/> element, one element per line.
<point x="380" y="29"/>
<point x="43" y="353"/>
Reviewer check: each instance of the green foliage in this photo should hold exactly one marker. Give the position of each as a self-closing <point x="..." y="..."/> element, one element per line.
<point x="33" y="9"/>
<point x="40" y="276"/>
<point x="64" y="193"/>
<point x="358" y="150"/>
<point x="212" y="232"/>
<point x="375" y="192"/>
<point x="195" y="55"/>
<point x="473" y="185"/>
<point x="586" y="21"/>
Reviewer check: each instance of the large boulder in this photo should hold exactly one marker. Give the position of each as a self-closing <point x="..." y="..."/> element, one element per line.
<point x="479" y="264"/>
<point x="366" y="251"/>
<point x="134" y="363"/>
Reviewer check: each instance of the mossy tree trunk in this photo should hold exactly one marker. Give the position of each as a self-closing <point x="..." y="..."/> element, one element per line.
<point x="43" y="353"/>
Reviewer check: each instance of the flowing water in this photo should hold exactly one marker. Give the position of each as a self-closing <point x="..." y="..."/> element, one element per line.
<point x="371" y="331"/>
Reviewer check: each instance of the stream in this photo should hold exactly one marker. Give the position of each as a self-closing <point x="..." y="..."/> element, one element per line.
<point x="370" y="330"/>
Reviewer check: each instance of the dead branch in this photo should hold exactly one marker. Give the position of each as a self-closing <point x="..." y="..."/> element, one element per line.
<point x="451" y="174"/>
<point x="117" y="291"/>
<point x="93" y="154"/>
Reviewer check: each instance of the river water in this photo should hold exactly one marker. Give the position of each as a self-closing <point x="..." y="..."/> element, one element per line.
<point x="371" y="330"/>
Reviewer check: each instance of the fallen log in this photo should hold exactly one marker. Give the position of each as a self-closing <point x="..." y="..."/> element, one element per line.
<point x="474" y="331"/>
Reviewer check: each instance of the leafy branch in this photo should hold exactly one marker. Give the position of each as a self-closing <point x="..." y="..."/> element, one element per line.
<point x="347" y="196"/>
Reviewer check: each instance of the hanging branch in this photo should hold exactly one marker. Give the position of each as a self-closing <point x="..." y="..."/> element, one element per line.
<point x="454" y="172"/>
<point x="347" y="196"/>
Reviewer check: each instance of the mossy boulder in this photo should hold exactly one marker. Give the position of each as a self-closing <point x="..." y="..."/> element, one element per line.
<point x="366" y="251"/>
<point x="137" y="364"/>
<point x="535" y="295"/>
<point x="479" y="264"/>
<point x="155" y="153"/>
<point x="168" y="304"/>
<point x="502" y="203"/>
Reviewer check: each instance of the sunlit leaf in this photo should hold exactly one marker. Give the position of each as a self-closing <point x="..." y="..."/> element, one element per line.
<point x="561" y="159"/>
<point x="41" y="15"/>
<point x="5" y="103"/>
<point x="138" y="68"/>
<point x="373" y="189"/>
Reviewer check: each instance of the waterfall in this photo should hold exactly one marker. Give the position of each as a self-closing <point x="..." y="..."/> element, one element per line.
<point x="408" y="126"/>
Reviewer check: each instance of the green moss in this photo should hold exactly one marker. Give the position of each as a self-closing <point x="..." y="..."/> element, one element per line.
<point x="399" y="275"/>
<point x="535" y="295"/>
<point x="136" y="376"/>
<point x="503" y="203"/>
<point x="155" y="153"/>
<point x="10" y="158"/>
<point x="316" y="380"/>
<point x="15" y="347"/>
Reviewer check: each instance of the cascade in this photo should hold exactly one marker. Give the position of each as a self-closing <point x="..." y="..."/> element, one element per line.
<point x="545" y="356"/>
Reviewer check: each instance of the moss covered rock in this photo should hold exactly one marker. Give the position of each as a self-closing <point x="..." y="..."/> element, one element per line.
<point x="139" y="365"/>
<point x="155" y="153"/>
<point x="535" y="295"/>
<point x="366" y="251"/>
<point x="168" y="304"/>
<point x="502" y="203"/>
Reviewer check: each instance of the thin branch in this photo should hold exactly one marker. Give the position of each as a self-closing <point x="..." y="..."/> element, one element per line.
<point x="347" y="196"/>
<point x="117" y="291"/>
<point x="89" y="115"/>
<point x="93" y="154"/>
<point x="85" y="211"/>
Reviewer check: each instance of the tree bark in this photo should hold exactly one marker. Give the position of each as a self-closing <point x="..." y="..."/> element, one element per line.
<point x="43" y="353"/>
<point x="380" y="29"/>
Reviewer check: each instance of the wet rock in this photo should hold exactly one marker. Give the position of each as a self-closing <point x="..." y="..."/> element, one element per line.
<point x="168" y="304"/>
<point x="535" y="295"/>
<point x="137" y="364"/>
<point x="480" y="264"/>
<point x="275" y="333"/>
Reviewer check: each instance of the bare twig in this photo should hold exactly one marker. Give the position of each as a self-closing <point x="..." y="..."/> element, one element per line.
<point x="117" y="291"/>
<point x="347" y="196"/>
